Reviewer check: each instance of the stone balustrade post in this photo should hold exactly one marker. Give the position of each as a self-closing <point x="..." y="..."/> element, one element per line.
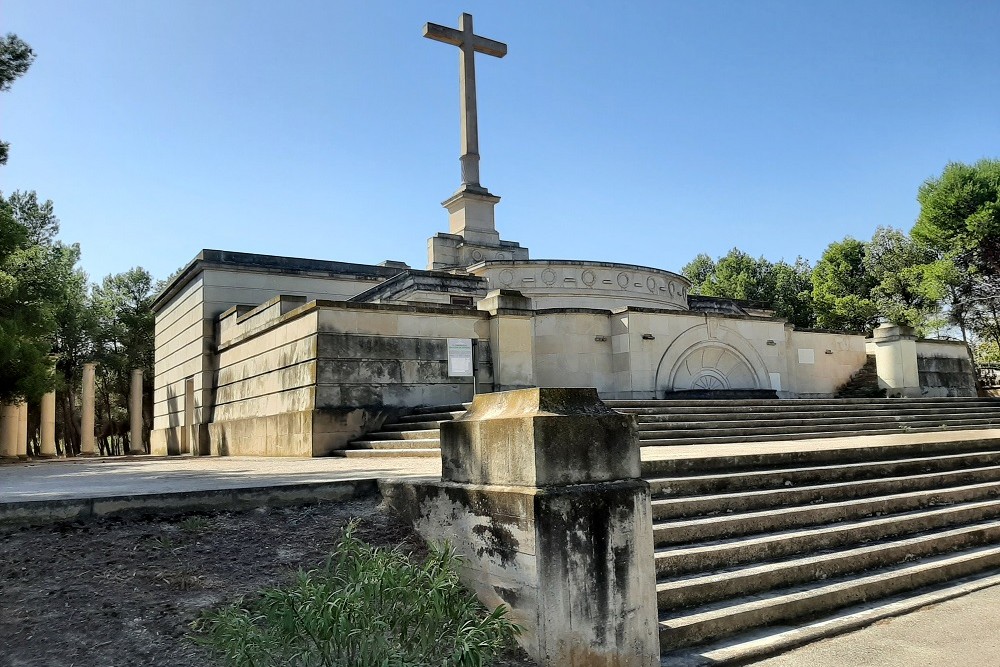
<point x="47" y="426"/>
<point x="541" y="494"/>
<point x="88" y="446"/>
<point x="135" y="414"/>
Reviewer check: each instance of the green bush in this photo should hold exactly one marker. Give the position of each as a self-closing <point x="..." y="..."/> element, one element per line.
<point x="364" y="607"/>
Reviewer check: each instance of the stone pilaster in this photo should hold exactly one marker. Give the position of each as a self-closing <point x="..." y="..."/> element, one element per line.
<point x="135" y="414"/>
<point x="512" y="338"/>
<point x="88" y="444"/>
<point x="541" y="494"/>
<point x="47" y="427"/>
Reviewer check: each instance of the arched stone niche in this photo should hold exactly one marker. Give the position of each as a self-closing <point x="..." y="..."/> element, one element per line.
<point x="711" y="356"/>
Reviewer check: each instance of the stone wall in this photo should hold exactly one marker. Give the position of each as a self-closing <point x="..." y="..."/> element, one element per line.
<point x="304" y="379"/>
<point x="187" y="309"/>
<point x="820" y="362"/>
<point x="945" y="368"/>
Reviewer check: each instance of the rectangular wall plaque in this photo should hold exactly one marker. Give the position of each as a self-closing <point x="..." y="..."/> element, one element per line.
<point x="460" y="357"/>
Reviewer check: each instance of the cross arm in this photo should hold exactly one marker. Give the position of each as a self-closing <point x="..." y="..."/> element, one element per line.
<point x="489" y="46"/>
<point x="444" y="34"/>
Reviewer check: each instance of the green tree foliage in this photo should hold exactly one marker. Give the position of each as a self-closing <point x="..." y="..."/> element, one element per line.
<point x="367" y="607"/>
<point x="786" y="288"/>
<point x="33" y="271"/>
<point x="960" y="214"/>
<point x="909" y="281"/>
<point x="15" y="59"/>
<point x="842" y="288"/>
<point x="123" y="339"/>
<point x="960" y="221"/>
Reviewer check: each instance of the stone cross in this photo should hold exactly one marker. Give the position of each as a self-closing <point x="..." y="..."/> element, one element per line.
<point x="469" y="44"/>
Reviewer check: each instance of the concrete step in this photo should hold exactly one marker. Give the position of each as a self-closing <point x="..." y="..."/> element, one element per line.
<point x="781" y="403"/>
<point x="434" y="409"/>
<point x="796" y="604"/>
<point x="429" y="416"/>
<point x="796" y="477"/>
<point x="413" y="426"/>
<point x="708" y="420"/>
<point x="831" y="455"/>
<point x="369" y="453"/>
<point x="426" y="434"/>
<point x="760" y="643"/>
<point x="748" y="501"/>
<point x="750" y="523"/>
<point x="715" y="555"/>
<point x="424" y="443"/>
<point x="818" y="429"/>
<point x="708" y="439"/>
<point x="759" y="577"/>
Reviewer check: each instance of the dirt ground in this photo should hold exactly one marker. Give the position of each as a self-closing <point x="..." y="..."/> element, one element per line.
<point x="115" y="593"/>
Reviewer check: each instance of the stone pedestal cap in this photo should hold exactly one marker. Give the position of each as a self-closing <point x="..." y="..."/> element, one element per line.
<point x="503" y="299"/>
<point x="888" y="331"/>
<point x="540" y="437"/>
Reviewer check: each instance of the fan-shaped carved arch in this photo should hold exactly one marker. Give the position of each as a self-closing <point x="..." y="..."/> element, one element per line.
<point x="714" y="359"/>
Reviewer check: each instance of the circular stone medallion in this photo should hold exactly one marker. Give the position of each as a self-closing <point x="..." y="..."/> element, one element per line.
<point x="588" y="277"/>
<point x="507" y="277"/>
<point x="548" y="276"/>
<point x="623" y="280"/>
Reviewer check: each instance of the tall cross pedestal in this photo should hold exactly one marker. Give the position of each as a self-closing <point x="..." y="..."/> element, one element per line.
<point x="470" y="209"/>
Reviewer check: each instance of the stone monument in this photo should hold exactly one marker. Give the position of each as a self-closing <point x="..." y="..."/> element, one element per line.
<point x="473" y="235"/>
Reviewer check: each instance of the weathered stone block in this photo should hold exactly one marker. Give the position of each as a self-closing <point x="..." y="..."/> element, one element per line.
<point x="539" y="437"/>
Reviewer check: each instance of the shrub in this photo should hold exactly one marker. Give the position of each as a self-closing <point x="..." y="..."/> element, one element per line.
<point x="365" y="606"/>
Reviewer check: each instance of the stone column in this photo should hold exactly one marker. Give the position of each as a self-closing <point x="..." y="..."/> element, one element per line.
<point x="8" y="430"/>
<point x="511" y="338"/>
<point x="896" y="360"/>
<point x="541" y="494"/>
<point x="88" y="445"/>
<point x="47" y="430"/>
<point x="135" y="414"/>
<point x="22" y="430"/>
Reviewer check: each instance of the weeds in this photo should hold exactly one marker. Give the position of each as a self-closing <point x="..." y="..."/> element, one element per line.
<point x="364" y="607"/>
<point x="194" y="524"/>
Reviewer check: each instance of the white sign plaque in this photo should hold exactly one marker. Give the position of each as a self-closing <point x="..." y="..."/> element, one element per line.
<point x="460" y="357"/>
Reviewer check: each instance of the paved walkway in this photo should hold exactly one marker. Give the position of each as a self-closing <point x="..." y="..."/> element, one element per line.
<point x="962" y="631"/>
<point x="138" y="475"/>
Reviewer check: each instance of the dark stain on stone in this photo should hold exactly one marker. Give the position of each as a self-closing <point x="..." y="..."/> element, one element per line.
<point x="497" y="542"/>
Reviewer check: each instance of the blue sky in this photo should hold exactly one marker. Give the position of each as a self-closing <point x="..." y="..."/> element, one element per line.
<point x="643" y="132"/>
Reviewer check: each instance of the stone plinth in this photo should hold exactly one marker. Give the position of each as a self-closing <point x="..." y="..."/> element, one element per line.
<point x="896" y="360"/>
<point x="541" y="495"/>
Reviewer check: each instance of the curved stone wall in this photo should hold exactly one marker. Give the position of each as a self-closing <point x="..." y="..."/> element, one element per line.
<point x="570" y="284"/>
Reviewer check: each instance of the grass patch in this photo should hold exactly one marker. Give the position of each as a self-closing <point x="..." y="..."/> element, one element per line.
<point x="363" y="607"/>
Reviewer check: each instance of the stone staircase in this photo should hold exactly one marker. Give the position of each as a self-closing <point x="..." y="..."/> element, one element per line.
<point x="756" y="553"/>
<point x="703" y="422"/>
<point x="863" y="384"/>
<point x="415" y="434"/>
<point x="762" y="548"/>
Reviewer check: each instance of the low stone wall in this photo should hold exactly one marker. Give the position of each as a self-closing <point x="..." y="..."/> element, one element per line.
<point x="945" y="368"/>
